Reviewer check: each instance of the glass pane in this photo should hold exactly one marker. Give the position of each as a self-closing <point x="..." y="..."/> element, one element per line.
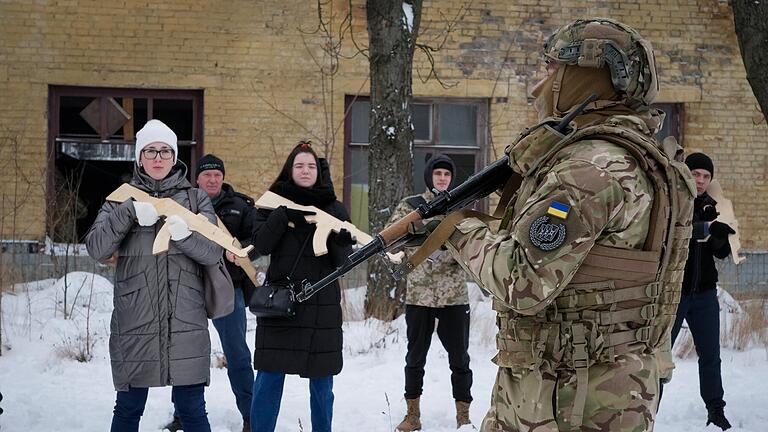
<point x="422" y="122"/>
<point x="177" y="114"/>
<point x="671" y="119"/>
<point x="361" y="118"/>
<point x="117" y="114"/>
<point x="358" y="202"/>
<point x="139" y="114"/>
<point x="465" y="167"/>
<point x="71" y="123"/>
<point x="458" y="124"/>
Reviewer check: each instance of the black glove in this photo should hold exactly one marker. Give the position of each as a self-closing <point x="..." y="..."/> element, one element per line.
<point x="720" y="230"/>
<point x="297" y="216"/>
<point x="709" y="213"/>
<point x="278" y="217"/>
<point x="344" y="238"/>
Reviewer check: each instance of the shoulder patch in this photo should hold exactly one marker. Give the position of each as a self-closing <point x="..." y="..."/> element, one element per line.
<point x="559" y="210"/>
<point x="546" y="235"/>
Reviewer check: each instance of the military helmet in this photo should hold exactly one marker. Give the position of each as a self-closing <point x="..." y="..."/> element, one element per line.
<point x="604" y="42"/>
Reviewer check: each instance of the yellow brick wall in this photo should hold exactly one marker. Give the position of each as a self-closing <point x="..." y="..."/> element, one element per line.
<point x="256" y="62"/>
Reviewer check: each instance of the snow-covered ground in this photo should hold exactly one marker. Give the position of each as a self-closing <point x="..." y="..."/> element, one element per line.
<point x="45" y="390"/>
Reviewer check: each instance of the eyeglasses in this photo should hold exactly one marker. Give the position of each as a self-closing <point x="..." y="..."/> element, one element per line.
<point x="151" y="154"/>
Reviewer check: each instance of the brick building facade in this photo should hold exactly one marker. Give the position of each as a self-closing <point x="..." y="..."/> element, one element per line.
<point x="249" y="79"/>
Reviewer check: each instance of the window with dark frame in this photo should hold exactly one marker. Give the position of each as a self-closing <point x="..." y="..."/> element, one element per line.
<point x="452" y="126"/>
<point x="673" y="121"/>
<point x="91" y="145"/>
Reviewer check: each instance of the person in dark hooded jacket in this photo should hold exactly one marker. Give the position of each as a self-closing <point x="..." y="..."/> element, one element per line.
<point x="310" y="343"/>
<point x="699" y="306"/>
<point x="159" y="328"/>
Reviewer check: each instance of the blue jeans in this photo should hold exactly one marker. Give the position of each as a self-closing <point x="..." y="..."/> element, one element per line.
<point x="188" y="400"/>
<point x="702" y="313"/>
<point x="231" y="330"/>
<point x="268" y="391"/>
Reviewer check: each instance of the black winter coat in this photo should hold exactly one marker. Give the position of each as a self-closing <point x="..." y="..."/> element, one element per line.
<point x="700" y="270"/>
<point x="237" y="213"/>
<point x="310" y="343"/>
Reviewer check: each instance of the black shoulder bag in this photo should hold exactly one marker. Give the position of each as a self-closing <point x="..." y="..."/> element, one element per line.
<point x="274" y="299"/>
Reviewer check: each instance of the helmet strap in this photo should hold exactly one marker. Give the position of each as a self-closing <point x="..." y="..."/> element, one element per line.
<point x="556" y="85"/>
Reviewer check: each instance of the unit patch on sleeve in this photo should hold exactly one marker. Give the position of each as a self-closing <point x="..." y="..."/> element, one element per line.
<point x="546" y="235"/>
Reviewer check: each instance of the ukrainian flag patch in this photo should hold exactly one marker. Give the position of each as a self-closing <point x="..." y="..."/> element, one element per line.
<point x="558" y="209"/>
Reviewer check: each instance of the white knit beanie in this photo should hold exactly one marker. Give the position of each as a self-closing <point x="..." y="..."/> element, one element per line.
<point x="155" y="131"/>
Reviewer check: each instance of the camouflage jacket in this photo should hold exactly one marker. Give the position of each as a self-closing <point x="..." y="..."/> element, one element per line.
<point x="437" y="282"/>
<point x="592" y="193"/>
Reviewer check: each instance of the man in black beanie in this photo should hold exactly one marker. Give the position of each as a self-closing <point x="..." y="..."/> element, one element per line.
<point x="237" y="213"/>
<point x="698" y="303"/>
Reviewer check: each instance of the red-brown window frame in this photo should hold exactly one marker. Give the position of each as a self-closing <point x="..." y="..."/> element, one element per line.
<point x="55" y="92"/>
<point x="482" y="138"/>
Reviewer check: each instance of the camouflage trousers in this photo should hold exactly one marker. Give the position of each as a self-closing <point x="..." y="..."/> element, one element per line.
<point x="621" y="397"/>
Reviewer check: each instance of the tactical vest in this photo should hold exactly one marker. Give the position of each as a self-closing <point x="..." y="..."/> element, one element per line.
<point x="619" y="300"/>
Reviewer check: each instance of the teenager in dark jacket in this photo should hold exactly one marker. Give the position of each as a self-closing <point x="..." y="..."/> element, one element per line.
<point x="310" y="343"/>
<point x="237" y="213"/>
<point x="698" y="303"/>
<point x="159" y="329"/>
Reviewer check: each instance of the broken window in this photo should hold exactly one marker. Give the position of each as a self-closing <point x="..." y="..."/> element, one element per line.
<point x="673" y="122"/>
<point x="91" y="146"/>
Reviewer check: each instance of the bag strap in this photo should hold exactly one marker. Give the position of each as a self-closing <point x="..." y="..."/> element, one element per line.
<point x="298" y="257"/>
<point x="192" y="200"/>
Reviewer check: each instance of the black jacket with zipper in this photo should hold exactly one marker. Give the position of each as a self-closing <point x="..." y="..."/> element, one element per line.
<point x="238" y="214"/>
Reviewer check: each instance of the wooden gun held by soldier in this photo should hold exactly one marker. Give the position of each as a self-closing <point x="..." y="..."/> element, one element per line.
<point x="167" y="207"/>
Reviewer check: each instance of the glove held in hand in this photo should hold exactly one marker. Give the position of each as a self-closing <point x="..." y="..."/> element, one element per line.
<point x="178" y="228"/>
<point x="344" y="238"/>
<point x="146" y="213"/>
<point x="720" y="230"/>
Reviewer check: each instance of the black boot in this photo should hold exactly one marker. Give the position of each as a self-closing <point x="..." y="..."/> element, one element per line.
<point x="246" y="425"/>
<point x="717" y="416"/>
<point x="174" y="426"/>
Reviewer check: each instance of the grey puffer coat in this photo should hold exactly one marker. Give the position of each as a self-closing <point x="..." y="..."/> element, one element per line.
<point x="159" y="330"/>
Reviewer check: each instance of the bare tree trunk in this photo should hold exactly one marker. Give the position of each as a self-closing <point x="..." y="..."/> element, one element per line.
<point x="392" y="30"/>
<point x="751" y="21"/>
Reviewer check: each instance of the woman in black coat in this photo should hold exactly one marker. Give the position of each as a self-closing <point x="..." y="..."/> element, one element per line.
<point x="308" y="344"/>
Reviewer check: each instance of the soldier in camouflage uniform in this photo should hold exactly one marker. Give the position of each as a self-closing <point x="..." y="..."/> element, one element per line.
<point x="587" y="264"/>
<point x="436" y="290"/>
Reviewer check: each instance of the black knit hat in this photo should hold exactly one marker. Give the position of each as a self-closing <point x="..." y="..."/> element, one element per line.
<point x="210" y="162"/>
<point x="700" y="161"/>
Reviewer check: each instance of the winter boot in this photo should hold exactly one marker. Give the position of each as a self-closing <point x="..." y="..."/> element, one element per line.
<point x="412" y="420"/>
<point x="246" y="425"/>
<point x="174" y="426"/>
<point x="717" y="416"/>
<point x="462" y="414"/>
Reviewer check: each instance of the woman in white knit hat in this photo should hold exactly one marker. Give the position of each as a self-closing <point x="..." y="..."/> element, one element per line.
<point x="159" y="330"/>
